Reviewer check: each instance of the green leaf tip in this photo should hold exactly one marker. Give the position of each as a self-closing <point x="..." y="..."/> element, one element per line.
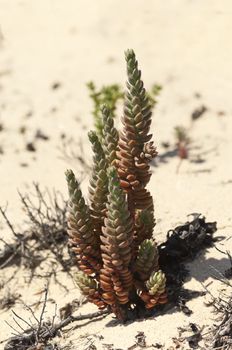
<point x="105" y="109"/>
<point x="129" y="54"/>
<point x="146" y="217"/>
<point x="110" y="135"/>
<point x="71" y="180"/>
<point x="98" y="152"/>
<point x="92" y="135"/>
<point x="148" y="245"/>
<point x="106" y="114"/>
<point x="68" y="173"/>
<point x="114" y="185"/>
<point x="84" y="282"/>
<point x="112" y="173"/>
<point x="156" y="283"/>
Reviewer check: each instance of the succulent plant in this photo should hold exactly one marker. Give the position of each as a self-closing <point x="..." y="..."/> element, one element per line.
<point x="112" y="236"/>
<point x="147" y="259"/>
<point x="89" y="287"/>
<point x="156" y="290"/>
<point x="110" y="136"/>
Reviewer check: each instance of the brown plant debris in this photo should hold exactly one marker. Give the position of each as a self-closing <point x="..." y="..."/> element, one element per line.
<point x="182" y="244"/>
<point x="186" y="240"/>
<point x="41" y="135"/>
<point x="220" y="335"/>
<point x="56" y="85"/>
<point x="44" y="234"/>
<point x="37" y="336"/>
<point x="30" y="146"/>
<point x="198" y="112"/>
<point x="141" y="340"/>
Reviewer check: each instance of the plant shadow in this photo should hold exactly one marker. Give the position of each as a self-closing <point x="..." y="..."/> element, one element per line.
<point x="200" y="267"/>
<point x="163" y="158"/>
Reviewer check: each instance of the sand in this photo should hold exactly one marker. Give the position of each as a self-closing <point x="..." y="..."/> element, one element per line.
<point x="184" y="46"/>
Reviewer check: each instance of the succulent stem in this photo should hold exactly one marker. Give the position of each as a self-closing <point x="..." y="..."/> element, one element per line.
<point x="84" y="241"/>
<point x="135" y="149"/>
<point x="110" y="136"/>
<point x="98" y="188"/>
<point x="117" y="239"/>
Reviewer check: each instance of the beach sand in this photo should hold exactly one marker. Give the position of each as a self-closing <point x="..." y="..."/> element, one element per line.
<point x="184" y="46"/>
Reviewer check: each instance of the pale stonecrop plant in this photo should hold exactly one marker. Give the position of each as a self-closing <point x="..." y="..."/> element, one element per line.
<point x="112" y="237"/>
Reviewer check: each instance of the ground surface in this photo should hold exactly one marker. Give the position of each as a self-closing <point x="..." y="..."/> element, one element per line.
<point x="184" y="46"/>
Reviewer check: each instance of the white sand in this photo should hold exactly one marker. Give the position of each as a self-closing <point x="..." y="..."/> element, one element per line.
<point x="185" y="46"/>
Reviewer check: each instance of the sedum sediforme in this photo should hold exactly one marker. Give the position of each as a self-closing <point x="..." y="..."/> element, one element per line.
<point x="135" y="148"/>
<point x="147" y="259"/>
<point x="98" y="188"/>
<point x="156" y="293"/>
<point x="117" y="237"/>
<point x="84" y="241"/>
<point x="89" y="288"/>
<point x="112" y="237"/>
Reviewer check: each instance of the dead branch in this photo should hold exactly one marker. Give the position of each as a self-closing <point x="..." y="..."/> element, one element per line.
<point x="42" y="313"/>
<point x="17" y="249"/>
<point x="47" y="331"/>
<point x="8" y="253"/>
<point x="45" y="235"/>
<point x="221" y="334"/>
<point x="42" y="331"/>
<point x="3" y="212"/>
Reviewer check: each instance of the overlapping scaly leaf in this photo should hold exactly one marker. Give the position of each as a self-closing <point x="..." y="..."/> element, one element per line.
<point x="156" y="293"/>
<point x="113" y="238"/>
<point x="110" y="136"/>
<point x="147" y="259"/>
<point x="135" y="148"/>
<point x="98" y="188"/>
<point x="89" y="288"/>
<point x="84" y="241"/>
<point x="117" y="238"/>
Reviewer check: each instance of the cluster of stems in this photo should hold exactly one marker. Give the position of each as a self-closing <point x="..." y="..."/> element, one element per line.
<point x="112" y="237"/>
